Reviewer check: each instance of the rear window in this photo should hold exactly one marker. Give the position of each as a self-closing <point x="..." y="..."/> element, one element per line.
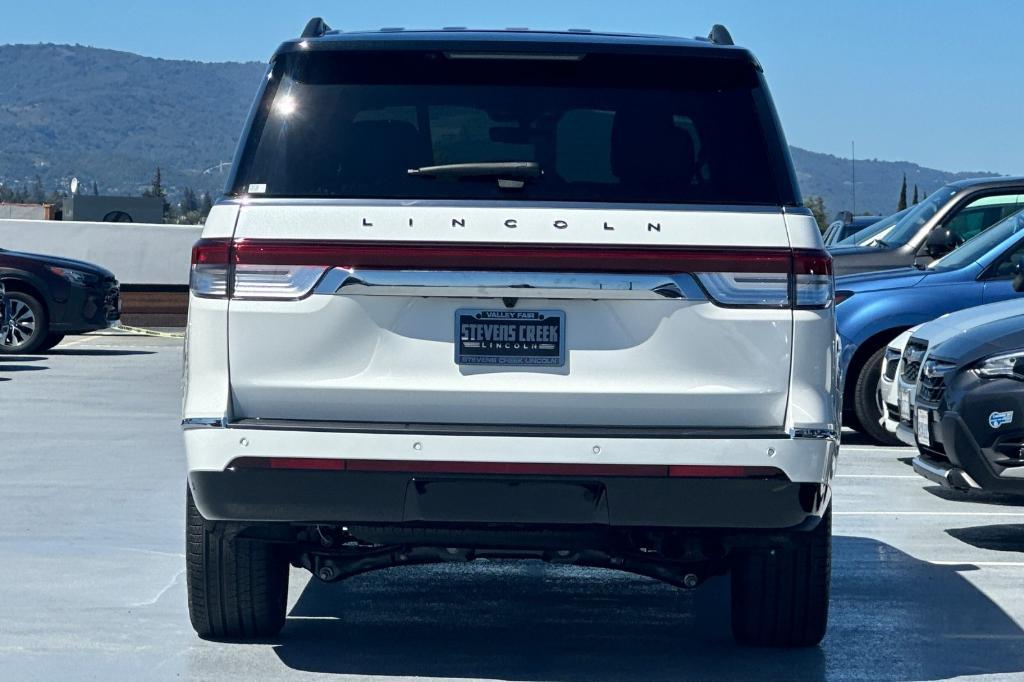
<point x="598" y="128"/>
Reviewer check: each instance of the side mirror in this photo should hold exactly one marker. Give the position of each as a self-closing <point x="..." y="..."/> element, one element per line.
<point x="940" y="242"/>
<point x="1018" y="279"/>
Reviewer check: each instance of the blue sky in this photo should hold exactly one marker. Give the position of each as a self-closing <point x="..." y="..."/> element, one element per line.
<point x="934" y="82"/>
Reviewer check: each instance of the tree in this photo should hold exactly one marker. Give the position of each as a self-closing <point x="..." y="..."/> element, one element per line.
<point x="38" y="195"/>
<point x="189" y="202"/>
<point x="205" y="205"/>
<point x="156" y="189"/>
<point x="817" y="206"/>
<point x="95" y="189"/>
<point x="915" y="195"/>
<point x="903" y="195"/>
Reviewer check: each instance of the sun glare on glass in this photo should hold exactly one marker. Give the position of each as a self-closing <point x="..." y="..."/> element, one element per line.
<point x="286" y="105"/>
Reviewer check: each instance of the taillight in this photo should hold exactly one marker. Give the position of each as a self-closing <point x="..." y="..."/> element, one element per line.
<point x="290" y="269"/>
<point x="761" y="290"/>
<point x="814" y="285"/>
<point x="211" y="268"/>
<point x="216" y="273"/>
<point x="275" y="281"/>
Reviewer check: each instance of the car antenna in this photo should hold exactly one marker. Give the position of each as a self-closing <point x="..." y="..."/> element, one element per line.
<point x="315" y="28"/>
<point x="720" y="35"/>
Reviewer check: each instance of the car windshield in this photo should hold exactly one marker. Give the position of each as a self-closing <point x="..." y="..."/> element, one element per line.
<point x="915" y="218"/>
<point x="978" y="246"/>
<point x="875" y="231"/>
<point x="600" y="128"/>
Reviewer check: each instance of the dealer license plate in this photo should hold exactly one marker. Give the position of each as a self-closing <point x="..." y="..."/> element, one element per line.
<point x="924" y="436"/>
<point x="510" y="337"/>
<point x="905" y="407"/>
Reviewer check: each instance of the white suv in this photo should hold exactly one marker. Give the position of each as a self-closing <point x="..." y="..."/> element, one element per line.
<point x="511" y="294"/>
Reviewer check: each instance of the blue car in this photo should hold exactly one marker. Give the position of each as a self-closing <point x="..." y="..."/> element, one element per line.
<point x="873" y="308"/>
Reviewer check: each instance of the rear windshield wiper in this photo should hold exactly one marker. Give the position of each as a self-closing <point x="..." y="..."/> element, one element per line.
<point x="510" y="174"/>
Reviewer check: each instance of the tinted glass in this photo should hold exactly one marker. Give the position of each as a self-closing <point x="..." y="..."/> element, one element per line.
<point x="877" y="230"/>
<point x="609" y="128"/>
<point x="982" y="244"/>
<point x="917" y="216"/>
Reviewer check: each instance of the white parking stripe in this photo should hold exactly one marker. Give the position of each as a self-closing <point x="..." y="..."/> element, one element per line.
<point x="910" y="476"/>
<point x="923" y="513"/>
<point x="879" y="448"/>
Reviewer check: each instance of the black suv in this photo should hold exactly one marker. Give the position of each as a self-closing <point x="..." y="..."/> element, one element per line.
<point x="969" y="416"/>
<point x="49" y="297"/>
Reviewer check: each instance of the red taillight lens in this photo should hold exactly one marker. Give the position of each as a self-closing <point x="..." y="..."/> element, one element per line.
<point x="211" y="267"/>
<point x="455" y="256"/>
<point x="814" y="285"/>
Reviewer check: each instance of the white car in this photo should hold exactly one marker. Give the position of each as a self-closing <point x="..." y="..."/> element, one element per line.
<point x="930" y="335"/>
<point x="511" y="294"/>
<point x="888" y="387"/>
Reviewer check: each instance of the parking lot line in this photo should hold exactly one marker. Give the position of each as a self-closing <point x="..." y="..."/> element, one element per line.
<point x="908" y="476"/>
<point x="923" y="513"/>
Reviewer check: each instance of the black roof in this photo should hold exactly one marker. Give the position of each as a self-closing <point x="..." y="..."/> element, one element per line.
<point x="512" y="40"/>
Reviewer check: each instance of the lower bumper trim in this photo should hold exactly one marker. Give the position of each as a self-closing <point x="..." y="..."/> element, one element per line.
<point x="946" y="475"/>
<point x="348" y="497"/>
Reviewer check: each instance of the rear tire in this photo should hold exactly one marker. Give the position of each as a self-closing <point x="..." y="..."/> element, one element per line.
<point x="237" y="588"/>
<point x="780" y="596"/>
<point x="865" y="401"/>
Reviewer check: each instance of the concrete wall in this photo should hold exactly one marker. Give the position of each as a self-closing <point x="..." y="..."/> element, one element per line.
<point x="137" y="253"/>
<point x="26" y="211"/>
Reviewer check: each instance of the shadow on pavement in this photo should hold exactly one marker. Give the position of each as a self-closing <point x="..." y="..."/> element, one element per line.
<point x="97" y="351"/>
<point x="21" y="368"/>
<point x="977" y="497"/>
<point x="893" y="617"/>
<point x="1003" y="538"/>
<point x="21" y="358"/>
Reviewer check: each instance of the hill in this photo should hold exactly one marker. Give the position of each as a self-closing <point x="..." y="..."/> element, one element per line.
<point x="112" y="117"/>
<point x="878" y="182"/>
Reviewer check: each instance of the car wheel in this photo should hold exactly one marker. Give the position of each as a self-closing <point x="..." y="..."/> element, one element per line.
<point x="28" y="326"/>
<point x="51" y="340"/>
<point x="780" y="595"/>
<point x="237" y="588"/>
<point x="866" y="403"/>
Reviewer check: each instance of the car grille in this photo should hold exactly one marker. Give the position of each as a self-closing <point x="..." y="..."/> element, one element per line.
<point x="931" y="386"/>
<point x="913" y="354"/>
<point x="111" y="300"/>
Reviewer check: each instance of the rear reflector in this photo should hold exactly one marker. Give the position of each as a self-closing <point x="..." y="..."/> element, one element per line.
<point x="504" y="468"/>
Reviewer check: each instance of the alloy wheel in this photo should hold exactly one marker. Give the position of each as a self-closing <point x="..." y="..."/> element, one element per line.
<point x="22" y="324"/>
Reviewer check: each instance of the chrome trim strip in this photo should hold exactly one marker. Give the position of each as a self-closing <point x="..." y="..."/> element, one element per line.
<point x="202" y="423"/>
<point x="488" y="284"/>
<point x="514" y="430"/>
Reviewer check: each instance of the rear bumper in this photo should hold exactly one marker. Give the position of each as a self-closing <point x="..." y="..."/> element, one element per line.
<point x="353" y="497"/>
<point x="603" y="478"/>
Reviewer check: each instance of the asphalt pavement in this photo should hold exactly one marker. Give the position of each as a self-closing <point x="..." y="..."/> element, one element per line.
<point x="926" y="584"/>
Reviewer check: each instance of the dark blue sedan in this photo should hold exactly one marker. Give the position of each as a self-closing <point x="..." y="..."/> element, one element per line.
<point x="873" y="308"/>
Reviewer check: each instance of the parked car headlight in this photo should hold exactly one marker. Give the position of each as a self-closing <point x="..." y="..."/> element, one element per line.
<point x="74" y="276"/>
<point x="1008" y="365"/>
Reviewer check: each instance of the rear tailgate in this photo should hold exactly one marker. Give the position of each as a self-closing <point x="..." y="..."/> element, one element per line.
<point x="646" y="347"/>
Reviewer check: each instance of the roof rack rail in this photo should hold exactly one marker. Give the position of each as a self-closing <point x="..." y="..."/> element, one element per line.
<point x="315" y="28"/>
<point x="720" y="35"/>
